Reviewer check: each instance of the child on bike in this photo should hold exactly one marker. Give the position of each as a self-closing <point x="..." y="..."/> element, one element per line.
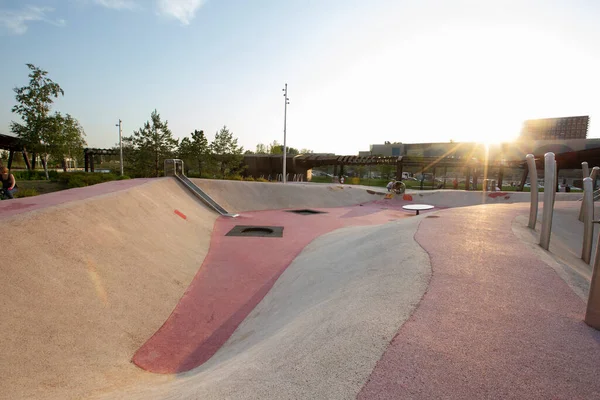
<point x="8" y="183"/>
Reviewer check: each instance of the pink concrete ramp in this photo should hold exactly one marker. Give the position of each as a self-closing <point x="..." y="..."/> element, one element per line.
<point x="496" y="322"/>
<point x="9" y="208"/>
<point x="90" y="274"/>
<point x="235" y="276"/>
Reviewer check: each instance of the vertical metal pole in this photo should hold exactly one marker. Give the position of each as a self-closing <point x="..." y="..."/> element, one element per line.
<point x="588" y="218"/>
<point x="555" y="185"/>
<point x="284" y="179"/>
<point x="585" y="170"/>
<point x="533" y="208"/>
<point x="594" y="176"/>
<point x="592" y="313"/>
<point x="121" y="144"/>
<point x="549" y="180"/>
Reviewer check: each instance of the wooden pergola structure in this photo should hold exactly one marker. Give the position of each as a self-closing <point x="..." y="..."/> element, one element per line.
<point x="309" y="161"/>
<point x="424" y="164"/>
<point x="14" y="144"/>
<point x="89" y="153"/>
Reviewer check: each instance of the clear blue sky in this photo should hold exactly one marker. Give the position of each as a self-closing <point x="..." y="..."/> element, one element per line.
<point x="359" y="72"/>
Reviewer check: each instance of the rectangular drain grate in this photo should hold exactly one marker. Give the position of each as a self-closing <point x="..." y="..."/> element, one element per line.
<point x="256" y="231"/>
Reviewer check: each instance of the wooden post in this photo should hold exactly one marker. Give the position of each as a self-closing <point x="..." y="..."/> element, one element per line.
<point x="500" y="176"/>
<point x="26" y="159"/>
<point x="475" y="174"/>
<point x="11" y="154"/>
<point x="468" y="178"/>
<point x="86" y="161"/>
<point x="445" y="175"/>
<point x="92" y="162"/>
<point x="524" y="178"/>
<point x="399" y="166"/>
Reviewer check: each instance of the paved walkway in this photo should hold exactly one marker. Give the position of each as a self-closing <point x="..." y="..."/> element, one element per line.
<point x="496" y="322"/>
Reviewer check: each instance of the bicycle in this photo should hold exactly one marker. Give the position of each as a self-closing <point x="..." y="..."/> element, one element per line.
<point x="3" y="195"/>
<point x="398" y="187"/>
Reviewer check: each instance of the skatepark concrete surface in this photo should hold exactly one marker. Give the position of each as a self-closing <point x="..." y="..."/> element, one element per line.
<point x="86" y="282"/>
<point x="320" y="330"/>
<point x="132" y="289"/>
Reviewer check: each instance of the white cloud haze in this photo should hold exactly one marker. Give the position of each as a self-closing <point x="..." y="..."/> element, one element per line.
<point x="183" y="10"/>
<point x="16" y="22"/>
<point x="118" y="4"/>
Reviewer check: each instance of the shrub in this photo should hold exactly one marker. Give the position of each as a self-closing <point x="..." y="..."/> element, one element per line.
<point x="120" y="178"/>
<point x="235" y="178"/>
<point x="75" y="182"/>
<point x="261" y="180"/>
<point x="249" y="179"/>
<point x="36" y="175"/>
<point x="80" y="179"/>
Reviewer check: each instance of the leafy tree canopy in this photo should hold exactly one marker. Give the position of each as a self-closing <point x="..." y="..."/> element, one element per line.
<point x="49" y="134"/>
<point x="154" y="143"/>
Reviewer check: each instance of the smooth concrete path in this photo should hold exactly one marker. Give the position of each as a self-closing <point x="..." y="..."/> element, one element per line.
<point x="236" y="274"/>
<point x="496" y="321"/>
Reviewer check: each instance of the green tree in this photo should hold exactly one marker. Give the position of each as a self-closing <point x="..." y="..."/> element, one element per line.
<point x="186" y="153"/>
<point x="200" y="149"/>
<point x="276" y="148"/>
<point x="387" y="171"/>
<point x="195" y="150"/>
<point x="153" y="143"/>
<point x="306" y="151"/>
<point x="261" y="149"/>
<point x="41" y="131"/>
<point x="68" y="137"/>
<point x="226" y="152"/>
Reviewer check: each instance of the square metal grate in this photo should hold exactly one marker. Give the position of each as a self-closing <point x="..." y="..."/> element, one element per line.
<point x="256" y="231"/>
<point x="307" y="211"/>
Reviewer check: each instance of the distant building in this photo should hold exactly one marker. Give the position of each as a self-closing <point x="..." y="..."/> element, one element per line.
<point x="556" y="128"/>
<point x="558" y="135"/>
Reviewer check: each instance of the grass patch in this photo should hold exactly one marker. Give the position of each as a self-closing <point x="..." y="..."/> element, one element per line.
<point x="30" y="192"/>
<point x="34" y="188"/>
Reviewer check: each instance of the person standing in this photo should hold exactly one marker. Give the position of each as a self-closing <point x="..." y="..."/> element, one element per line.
<point x="9" y="184"/>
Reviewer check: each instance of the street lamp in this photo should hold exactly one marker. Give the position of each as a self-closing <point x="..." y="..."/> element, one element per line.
<point x="286" y="102"/>
<point x="121" y="143"/>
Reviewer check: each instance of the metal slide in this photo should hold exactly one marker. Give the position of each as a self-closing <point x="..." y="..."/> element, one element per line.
<point x="174" y="167"/>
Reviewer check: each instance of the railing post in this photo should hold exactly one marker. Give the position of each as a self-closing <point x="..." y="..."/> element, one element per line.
<point x="594" y="176"/>
<point x="533" y="208"/>
<point x="549" y="180"/>
<point x="588" y="219"/>
<point x="592" y="313"/>
<point x="585" y="171"/>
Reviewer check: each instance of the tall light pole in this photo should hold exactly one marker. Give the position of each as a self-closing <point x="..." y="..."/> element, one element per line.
<point x="121" y="143"/>
<point x="286" y="102"/>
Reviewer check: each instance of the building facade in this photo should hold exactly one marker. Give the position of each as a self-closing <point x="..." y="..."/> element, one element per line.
<point x="566" y="128"/>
